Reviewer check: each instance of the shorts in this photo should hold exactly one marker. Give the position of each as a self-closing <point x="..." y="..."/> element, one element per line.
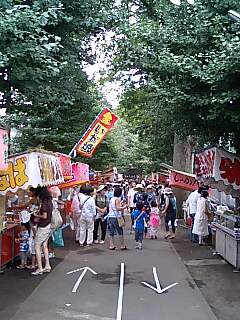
<point x="139" y="235"/>
<point x="114" y="227"/>
<point x="43" y="234"/>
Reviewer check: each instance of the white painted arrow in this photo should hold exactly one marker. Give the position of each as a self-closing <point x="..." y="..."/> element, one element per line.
<point x="85" y="269"/>
<point x="158" y="288"/>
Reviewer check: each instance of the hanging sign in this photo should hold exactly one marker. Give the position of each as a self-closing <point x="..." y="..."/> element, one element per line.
<point x="96" y="133"/>
<point x="31" y="169"/>
<point x="183" y="180"/>
<point x="3" y="149"/>
<point x="66" y="165"/>
<point x="80" y="173"/>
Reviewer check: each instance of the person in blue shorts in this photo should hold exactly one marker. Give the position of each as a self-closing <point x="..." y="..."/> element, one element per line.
<point x="139" y="217"/>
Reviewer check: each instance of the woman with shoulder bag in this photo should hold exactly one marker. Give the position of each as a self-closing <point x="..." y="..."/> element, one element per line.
<point x="115" y="219"/>
<point x="200" y="226"/>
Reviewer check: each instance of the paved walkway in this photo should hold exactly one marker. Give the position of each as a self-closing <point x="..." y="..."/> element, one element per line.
<point x="97" y="296"/>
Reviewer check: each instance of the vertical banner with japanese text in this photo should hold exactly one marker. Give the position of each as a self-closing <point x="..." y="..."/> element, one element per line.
<point x="3" y="148"/>
<point x="96" y="133"/>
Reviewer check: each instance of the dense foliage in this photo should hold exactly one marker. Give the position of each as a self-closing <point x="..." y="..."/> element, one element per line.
<point x="43" y="46"/>
<point x="183" y="66"/>
<point x="179" y="65"/>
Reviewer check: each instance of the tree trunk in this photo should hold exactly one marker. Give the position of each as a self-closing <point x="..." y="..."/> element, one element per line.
<point x="183" y="161"/>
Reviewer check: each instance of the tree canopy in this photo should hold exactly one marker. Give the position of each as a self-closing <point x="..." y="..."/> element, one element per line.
<point x="179" y="66"/>
<point x="183" y="65"/>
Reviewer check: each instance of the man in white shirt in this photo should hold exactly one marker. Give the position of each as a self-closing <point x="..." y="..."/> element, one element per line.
<point x="192" y="208"/>
<point x="88" y="213"/>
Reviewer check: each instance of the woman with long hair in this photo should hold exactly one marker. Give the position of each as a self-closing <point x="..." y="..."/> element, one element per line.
<point x="43" y="230"/>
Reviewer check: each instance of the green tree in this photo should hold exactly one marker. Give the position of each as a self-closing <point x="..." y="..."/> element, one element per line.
<point x="183" y="65"/>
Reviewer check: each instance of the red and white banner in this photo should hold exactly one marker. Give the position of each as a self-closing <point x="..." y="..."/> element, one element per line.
<point x="80" y="173"/>
<point x="96" y="133"/>
<point x="3" y="149"/>
<point x="183" y="180"/>
<point x="66" y="165"/>
<point x="220" y="169"/>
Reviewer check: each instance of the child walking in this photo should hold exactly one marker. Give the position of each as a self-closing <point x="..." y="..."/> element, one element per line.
<point x="139" y="216"/>
<point x="154" y="220"/>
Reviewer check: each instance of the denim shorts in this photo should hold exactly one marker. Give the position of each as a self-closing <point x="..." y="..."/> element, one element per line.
<point x="139" y="235"/>
<point x="114" y="228"/>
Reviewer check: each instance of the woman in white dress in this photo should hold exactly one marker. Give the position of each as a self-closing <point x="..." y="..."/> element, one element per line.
<point x="200" y="226"/>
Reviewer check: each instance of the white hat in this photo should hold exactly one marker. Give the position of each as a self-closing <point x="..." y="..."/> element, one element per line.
<point x="100" y="188"/>
<point x="150" y="186"/>
<point x="139" y="186"/>
<point x="168" y="191"/>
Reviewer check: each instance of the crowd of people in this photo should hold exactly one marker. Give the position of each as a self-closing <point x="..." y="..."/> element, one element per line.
<point x="100" y="214"/>
<point x="107" y="207"/>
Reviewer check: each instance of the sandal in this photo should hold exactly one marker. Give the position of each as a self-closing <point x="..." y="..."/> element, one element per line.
<point x="37" y="272"/>
<point x="47" y="270"/>
<point x="31" y="267"/>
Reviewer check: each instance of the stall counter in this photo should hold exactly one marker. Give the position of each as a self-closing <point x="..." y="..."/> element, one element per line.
<point x="9" y="249"/>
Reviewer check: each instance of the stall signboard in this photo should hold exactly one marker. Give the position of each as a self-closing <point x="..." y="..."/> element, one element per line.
<point x="2" y="212"/>
<point x="220" y="169"/>
<point x="183" y="180"/>
<point x="3" y="148"/>
<point x="66" y="165"/>
<point x="80" y="173"/>
<point x="31" y="169"/>
<point x="96" y="133"/>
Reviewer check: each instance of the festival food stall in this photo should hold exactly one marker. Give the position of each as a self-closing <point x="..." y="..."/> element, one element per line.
<point x="80" y="175"/>
<point x="36" y="168"/>
<point x="221" y="170"/>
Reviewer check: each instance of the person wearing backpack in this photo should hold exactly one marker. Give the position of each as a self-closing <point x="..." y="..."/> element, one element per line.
<point x="154" y="220"/>
<point x="88" y="213"/>
<point x="170" y="212"/>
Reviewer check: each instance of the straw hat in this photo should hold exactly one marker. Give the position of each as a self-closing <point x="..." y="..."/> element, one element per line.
<point x="139" y="186"/>
<point x="100" y="188"/>
<point x="168" y="191"/>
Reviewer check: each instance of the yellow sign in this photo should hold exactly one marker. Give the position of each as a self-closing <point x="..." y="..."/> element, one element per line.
<point x="15" y="175"/>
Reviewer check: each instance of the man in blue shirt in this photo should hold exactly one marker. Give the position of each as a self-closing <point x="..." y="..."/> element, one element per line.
<point x="139" y="216"/>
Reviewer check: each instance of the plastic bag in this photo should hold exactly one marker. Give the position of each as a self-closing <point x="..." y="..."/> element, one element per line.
<point x="58" y="238"/>
<point x="57" y="220"/>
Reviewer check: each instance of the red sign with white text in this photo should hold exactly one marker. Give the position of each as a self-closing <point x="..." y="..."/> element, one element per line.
<point x="182" y="180"/>
<point x="96" y="133"/>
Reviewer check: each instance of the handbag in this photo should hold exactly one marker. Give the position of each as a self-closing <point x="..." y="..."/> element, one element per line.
<point x="58" y="238"/>
<point x="208" y="213"/>
<point x="121" y="222"/>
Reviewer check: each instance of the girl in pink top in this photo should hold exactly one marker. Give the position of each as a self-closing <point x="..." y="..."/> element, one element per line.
<point x="154" y="220"/>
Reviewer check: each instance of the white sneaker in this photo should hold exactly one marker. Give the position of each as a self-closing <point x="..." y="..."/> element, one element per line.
<point x="96" y="241"/>
<point x="102" y="242"/>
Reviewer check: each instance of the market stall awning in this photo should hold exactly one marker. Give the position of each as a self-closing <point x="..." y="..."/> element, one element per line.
<point x="37" y="168"/>
<point x="182" y="180"/>
<point x="220" y="169"/>
<point x="80" y="175"/>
